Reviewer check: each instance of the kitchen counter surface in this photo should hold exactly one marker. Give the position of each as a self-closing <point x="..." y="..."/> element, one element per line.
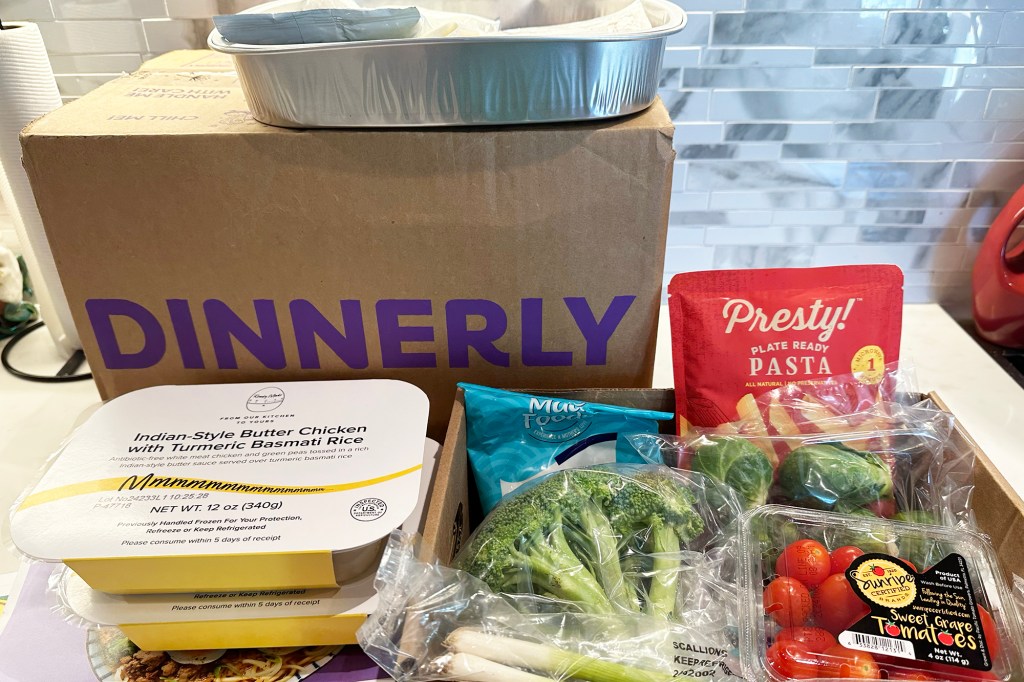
<point x="36" y="417"/>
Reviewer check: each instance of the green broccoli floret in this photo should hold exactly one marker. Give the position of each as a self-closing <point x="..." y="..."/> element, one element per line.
<point x="522" y="541"/>
<point x="565" y="537"/>
<point x="654" y="505"/>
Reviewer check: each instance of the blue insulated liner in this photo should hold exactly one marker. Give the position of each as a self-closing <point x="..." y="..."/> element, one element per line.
<point x="514" y="437"/>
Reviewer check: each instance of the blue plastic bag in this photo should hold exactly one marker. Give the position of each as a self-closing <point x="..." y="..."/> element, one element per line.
<point x="514" y="437"/>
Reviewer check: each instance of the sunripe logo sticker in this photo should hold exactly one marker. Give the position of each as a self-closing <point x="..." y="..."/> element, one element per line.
<point x="884" y="582"/>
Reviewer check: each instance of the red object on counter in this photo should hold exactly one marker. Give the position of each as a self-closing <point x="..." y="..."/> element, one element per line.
<point x="998" y="279"/>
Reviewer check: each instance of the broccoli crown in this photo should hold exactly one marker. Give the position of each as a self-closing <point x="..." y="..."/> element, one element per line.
<point x="649" y="499"/>
<point x="561" y="536"/>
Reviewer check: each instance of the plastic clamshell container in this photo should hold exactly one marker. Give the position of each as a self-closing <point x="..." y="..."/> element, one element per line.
<point x="172" y="489"/>
<point x="239" y="620"/>
<point x="904" y="617"/>
<point x="491" y="79"/>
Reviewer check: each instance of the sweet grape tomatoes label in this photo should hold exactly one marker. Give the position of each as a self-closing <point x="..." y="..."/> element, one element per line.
<point x="744" y="332"/>
<point x="930" y="616"/>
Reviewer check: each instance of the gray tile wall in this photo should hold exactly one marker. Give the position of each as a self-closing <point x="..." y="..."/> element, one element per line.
<point x="821" y="132"/>
<point x="810" y="132"/>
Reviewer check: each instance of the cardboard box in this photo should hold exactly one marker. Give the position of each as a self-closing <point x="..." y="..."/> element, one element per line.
<point x="197" y="245"/>
<point x="997" y="507"/>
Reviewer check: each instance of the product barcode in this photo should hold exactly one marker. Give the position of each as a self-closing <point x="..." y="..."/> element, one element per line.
<point x="879" y="645"/>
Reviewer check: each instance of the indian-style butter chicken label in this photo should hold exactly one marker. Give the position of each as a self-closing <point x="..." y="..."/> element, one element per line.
<point x="931" y="616"/>
<point x="744" y="332"/>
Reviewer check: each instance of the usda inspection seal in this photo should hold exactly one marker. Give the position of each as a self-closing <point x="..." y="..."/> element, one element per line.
<point x="369" y="509"/>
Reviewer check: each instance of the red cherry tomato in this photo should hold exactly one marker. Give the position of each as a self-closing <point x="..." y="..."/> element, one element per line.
<point x="836" y="605"/>
<point x="910" y="563"/>
<point x="842" y="557"/>
<point x="793" y="660"/>
<point x="846" y="664"/>
<point x="815" y="639"/>
<point x="787" y="601"/>
<point x="805" y="560"/>
<point x="988" y="629"/>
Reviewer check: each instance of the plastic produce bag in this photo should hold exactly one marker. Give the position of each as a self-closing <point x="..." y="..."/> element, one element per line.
<point x="437" y="623"/>
<point x="604" y="538"/>
<point x="887" y="459"/>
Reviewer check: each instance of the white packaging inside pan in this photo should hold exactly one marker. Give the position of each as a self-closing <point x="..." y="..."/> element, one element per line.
<point x="495" y="78"/>
<point x="230" y="487"/>
<point x="240" y="619"/>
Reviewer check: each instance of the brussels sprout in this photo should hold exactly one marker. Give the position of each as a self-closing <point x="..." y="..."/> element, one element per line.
<point x="822" y="476"/>
<point x="737" y="463"/>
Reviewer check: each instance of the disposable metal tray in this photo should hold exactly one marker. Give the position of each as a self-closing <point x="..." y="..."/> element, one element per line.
<point x="481" y="80"/>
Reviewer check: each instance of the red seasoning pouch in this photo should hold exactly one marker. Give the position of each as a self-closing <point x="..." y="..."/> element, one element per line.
<point x="739" y="333"/>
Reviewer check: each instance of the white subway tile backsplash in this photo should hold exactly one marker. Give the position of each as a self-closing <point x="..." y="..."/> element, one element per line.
<point x="92" y="37"/>
<point x="786" y="199"/>
<point x="758" y="56"/>
<point x="808" y="132"/>
<point x="904" y="77"/>
<point x="95" y="63"/>
<point x="163" y="35"/>
<point x="679" y="57"/>
<point x="942" y="28"/>
<point x="917" y="199"/>
<point x="937" y="104"/>
<point x="736" y="175"/>
<point x="689" y="201"/>
<point x="788" y="131"/>
<point x="907" y="174"/>
<point x="988" y="174"/>
<point x="764" y="78"/>
<point x="192" y="9"/>
<point x="916" y="131"/>
<point x="994" y="76"/>
<point x="798" y="28"/>
<point x="794" y="105"/>
<point x="108" y="9"/>
<point x="696" y="32"/>
<point x="698" y="133"/>
<point x="767" y="151"/>
<point x="1013" y="28"/>
<point x="1004" y="56"/>
<point x="939" y="56"/>
<point x="1006" y="105"/>
<point x="686" y="105"/>
<point x="26" y="10"/>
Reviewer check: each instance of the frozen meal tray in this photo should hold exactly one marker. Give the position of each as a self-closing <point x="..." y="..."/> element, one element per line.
<point x="492" y="79"/>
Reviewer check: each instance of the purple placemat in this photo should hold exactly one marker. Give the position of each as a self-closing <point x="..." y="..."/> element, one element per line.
<point x="38" y="644"/>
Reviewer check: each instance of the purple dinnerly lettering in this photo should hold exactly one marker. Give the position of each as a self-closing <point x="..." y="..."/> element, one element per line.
<point x="310" y="324"/>
<point x="312" y="330"/>
<point x="266" y="346"/>
<point x="185" y="331"/>
<point x="598" y="333"/>
<point x="393" y="334"/>
<point x="154" y="344"/>
<point x="461" y="338"/>
<point x="534" y="354"/>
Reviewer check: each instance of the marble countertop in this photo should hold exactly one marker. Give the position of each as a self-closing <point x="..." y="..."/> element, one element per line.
<point x="37" y="417"/>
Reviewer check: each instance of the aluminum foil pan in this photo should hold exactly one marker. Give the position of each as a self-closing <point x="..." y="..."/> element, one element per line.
<point x="485" y="80"/>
